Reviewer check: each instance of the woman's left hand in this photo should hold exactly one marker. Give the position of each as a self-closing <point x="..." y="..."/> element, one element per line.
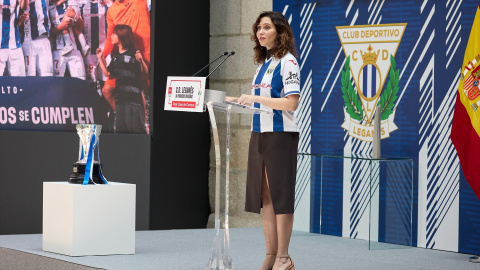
<point x="247" y="99"/>
<point x="138" y="56"/>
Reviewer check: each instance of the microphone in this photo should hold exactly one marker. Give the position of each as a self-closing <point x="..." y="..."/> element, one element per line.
<point x="231" y="53"/>
<point x="222" y="55"/>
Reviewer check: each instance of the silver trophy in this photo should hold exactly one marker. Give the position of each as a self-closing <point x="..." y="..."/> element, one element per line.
<point x="88" y="133"/>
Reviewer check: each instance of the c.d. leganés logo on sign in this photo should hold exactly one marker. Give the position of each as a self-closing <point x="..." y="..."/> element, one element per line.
<point x="370" y="52"/>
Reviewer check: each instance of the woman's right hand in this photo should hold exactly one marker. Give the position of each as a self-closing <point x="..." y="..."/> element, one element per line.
<point x="231" y="99"/>
<point x="99" y="53"/>
<point x="24" y="17"/>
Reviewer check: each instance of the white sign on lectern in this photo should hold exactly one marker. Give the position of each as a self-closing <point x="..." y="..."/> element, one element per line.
<point x="185" y="94"/>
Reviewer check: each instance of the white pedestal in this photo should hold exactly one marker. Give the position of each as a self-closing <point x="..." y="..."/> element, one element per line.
<point x="83" y="220"/>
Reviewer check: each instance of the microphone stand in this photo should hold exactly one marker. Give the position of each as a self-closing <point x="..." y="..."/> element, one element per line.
<point x="225" y="53"/>
<point x="232" y="53"/>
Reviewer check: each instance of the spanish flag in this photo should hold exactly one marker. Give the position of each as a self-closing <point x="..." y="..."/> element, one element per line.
<point x="465" y="134"/>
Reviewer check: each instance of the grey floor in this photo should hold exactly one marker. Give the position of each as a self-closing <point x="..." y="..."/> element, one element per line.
<point x="190" y="249"/>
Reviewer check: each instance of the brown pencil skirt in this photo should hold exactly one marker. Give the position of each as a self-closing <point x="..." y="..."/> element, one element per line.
<point x="277" y="153"/>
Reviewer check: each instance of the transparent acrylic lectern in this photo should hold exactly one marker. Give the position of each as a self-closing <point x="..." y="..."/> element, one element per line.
<point x="215" y="101"/>
<point x="382" y="188"/>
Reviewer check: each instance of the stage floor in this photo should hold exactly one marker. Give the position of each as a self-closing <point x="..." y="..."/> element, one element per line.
<point x="190" y="249"/>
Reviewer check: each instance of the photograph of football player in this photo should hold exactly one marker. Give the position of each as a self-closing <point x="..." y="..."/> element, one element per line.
<point x="11" y="54"/>
<point x="72" y="13"/>
<point x="95" y="31"/>
<point x="72" y="60"/>
<point x="34" y="22"/>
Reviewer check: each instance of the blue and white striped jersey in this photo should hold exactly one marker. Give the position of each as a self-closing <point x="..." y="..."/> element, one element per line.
<point x="276" y="78"/>
<point x="60" y="10"/>
<point x="94" y="16"/>
<point x="56" y="15"/>
<point x="38" y="22"/>
<point x="9" y="32"/>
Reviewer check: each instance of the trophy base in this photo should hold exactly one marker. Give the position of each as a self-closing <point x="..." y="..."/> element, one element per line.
<point x="79" y="173"/>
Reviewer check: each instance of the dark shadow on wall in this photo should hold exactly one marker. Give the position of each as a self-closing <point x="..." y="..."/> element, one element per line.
<point x="180" y="140"/>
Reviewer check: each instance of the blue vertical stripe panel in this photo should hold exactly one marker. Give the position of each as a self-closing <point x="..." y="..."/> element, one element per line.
<point x="277" y="88"/>
<point x="46" y="23"/>
<point x="258" y="81"/>
<point x="5" y="25"/>
<point x="365" y="81"/>
<point x="18" y="37"/>
<point x="374" y="80"/>
<point x="369" y="82"/>
<point x="33" y="20"/>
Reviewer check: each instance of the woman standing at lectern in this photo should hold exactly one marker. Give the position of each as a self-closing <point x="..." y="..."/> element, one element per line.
<point x="272" y="157"/>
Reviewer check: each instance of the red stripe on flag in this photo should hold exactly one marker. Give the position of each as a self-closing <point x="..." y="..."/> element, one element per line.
<point x="467" y="143"/>
<point x="469" y="80"/>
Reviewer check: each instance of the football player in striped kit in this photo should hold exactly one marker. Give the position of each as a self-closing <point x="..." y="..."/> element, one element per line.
<point x="73" y="60"/>
<point x="72" y="12"/>
<point x="11" y="54"/>
<point x="36" y="46"/>
<point x="94" y="15"/>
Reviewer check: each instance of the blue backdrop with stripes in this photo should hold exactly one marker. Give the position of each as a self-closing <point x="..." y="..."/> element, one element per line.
<point x="445" y="211"/>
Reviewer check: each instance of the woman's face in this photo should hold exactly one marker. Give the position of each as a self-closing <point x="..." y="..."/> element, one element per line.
<point x="114" y="38"/>
<point x="266" y="33"/>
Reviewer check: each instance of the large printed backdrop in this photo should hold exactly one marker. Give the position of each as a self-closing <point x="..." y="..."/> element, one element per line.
<point x="50" y="104"/>
<point x="73" y="95"/>
<point x="429" y="55"/>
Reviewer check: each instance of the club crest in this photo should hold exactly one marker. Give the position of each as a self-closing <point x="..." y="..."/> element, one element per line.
<point x="270" y="69"/>
<point x="370" y="52"/>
